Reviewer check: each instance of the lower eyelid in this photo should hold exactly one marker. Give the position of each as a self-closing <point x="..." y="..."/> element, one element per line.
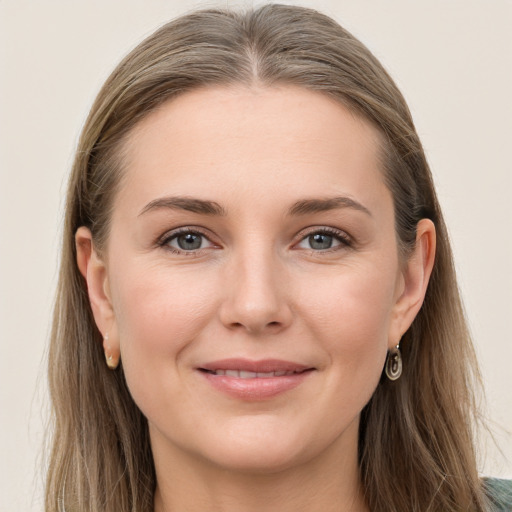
<point x="338" y="236"/>
<point x="342" y="240"/>
<point x="204" y="241"/>
<point x="165" y="240"/>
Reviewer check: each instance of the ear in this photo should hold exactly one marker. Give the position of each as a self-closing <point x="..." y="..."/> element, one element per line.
<point x="413" y="281"/>
<point x="94" y="270"/>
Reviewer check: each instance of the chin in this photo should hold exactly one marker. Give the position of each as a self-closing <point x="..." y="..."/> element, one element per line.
<point x="264" y="448"/>
<point x="262" y="459"/>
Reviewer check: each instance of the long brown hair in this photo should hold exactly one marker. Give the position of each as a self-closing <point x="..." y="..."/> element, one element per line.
<point x="416" y="441"/>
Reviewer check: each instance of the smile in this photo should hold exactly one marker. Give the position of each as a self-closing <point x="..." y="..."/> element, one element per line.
<point x="254" y="380"/>
<point x="243" y="374"/>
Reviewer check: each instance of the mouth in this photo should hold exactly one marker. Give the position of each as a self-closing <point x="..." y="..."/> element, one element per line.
<point x="244" y="374"/>
<point x="251" y="369"/>
<point x="254" y="380"/>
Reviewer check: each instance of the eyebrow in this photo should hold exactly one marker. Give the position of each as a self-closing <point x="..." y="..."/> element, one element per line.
<point x="205" y="207"/>
<point x="314" y="205"/>
<point x="189" y="204"/>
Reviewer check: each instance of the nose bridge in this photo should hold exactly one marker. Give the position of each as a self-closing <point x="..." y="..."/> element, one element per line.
<point x="256" y="299"/>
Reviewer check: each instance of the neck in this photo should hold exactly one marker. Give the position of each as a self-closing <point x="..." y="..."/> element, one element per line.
<point x="327" y="483"/>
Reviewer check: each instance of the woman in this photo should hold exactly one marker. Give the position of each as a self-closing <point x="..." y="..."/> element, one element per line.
<point x="254" y="245"/>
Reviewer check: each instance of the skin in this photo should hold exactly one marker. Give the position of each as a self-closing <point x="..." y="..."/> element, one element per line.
<point x="256" y="288"/>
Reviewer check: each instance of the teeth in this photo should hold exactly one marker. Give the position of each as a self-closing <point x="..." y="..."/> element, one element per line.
<point x="247" y="375"/>
<point x="263" y="375"/>
<point x="242" y="374"/>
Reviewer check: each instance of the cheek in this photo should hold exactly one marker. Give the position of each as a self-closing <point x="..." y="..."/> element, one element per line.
<point x="357" y="300"/>
<point x="352" y="318"/>
<point x="158" y="313"/>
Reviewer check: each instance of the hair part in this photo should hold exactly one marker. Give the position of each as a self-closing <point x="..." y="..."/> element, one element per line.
<point x="416" y="440"/>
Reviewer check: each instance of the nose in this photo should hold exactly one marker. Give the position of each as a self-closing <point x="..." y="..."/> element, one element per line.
<point x="255" y="295"/>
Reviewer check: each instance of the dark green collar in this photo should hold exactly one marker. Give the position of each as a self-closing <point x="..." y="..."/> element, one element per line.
<point x="499" y="492"/>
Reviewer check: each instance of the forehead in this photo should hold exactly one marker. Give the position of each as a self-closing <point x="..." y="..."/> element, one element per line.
<point x="251" y="139"/>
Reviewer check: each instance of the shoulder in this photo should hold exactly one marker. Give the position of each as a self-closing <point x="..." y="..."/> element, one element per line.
<point x="500" y="494"/>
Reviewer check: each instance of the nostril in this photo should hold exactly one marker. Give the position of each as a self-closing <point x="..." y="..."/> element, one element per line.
<point x="253" y="328"/>
<point x="255" y="316"/>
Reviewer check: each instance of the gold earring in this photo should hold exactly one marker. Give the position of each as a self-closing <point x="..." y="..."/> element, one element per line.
<point x="111" y="362"/>
<point x="393" y="366"/>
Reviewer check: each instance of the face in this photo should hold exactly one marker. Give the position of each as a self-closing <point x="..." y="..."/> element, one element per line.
<point x="251" y="281"/>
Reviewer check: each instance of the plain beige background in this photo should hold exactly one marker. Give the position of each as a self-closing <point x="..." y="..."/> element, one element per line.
<point x="453" y="61"/>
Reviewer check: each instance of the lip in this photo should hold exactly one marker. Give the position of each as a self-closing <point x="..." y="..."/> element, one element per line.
<point x="260" y="366"/>
<point x="257" y="387"/>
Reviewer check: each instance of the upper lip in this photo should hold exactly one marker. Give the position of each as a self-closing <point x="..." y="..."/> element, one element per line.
<point x="260" y="366"/>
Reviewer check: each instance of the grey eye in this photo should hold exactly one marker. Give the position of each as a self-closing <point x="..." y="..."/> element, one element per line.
<point x="323" y="240"/>
<point x="320" y="241"/>
<point x="188" y="241"/>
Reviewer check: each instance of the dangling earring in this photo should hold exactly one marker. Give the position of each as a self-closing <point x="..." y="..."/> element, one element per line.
<point x="393" y="366"/>
<point x="111" y="363"/>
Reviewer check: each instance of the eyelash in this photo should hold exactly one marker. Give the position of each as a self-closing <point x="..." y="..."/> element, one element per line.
<point x="345" y="241"/>
<point x="340" y="236"/>
<point x="165" y="240"/>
